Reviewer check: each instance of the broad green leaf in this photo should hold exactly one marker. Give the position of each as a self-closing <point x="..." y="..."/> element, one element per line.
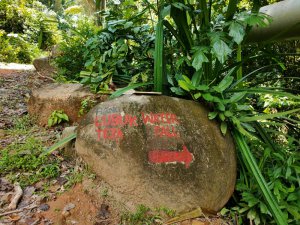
<point x="208" y="97"/>
<point x="237" y="96"/>
<point x="129" y="87"/>
<point x="65" y="117"/>
<point x="222" y="116"/>
<point x="243" y="107"/>
<point x="198" y="59"/>
<point x="228" y="113"/>
<point x="221" y="106"/>
<point x="196" y="79"/>
<point x="128" y="24"/>
<point x="197" y="95"/>
<point x="263" y="208"/>
<point x="50" y="122"/>
<point x="165" y="11"/>
<point x="184" y="85"/>
<point x="267" y="116"/>
<point x="216" y="99"/>
<point x="180" y="6"/>
<point x="223" y="127"/>
<point x="237" y="32"/>
<point x="187" y="79"/>
<point x="225" y="83"/>
<point x="177" y="91"/>
<point x="202" y="87"/>
<point x="212" y="115"/>
<point x="55" y="120"/>
<point x="248" y="127"/>
<point x="257" y="19"/>
<point x="221" y="50"/>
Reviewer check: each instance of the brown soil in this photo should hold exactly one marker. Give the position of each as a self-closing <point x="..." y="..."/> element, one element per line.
<point x="86" y="210"/>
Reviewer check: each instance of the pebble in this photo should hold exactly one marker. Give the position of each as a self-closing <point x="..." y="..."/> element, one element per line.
<point x="44" y="207"/>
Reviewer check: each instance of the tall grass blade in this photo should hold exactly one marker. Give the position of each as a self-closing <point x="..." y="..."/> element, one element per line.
<point x="181" y="20"/>
<point x="121" y="91"/>
<point x="158" y="57"/>
<point x="267" y="116"/>
<point x="59" y="144"/>
<point x="270" y="91"/>
<point x="252" y="166"/>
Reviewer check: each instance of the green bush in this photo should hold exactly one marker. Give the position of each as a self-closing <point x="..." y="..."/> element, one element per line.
<point x="121" y="53"/>
<point x="75" y="34"/>
<point x="25" y="27"/>
<point x="13" y="48"/>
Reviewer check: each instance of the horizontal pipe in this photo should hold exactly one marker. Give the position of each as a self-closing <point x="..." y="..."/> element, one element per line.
<point x="285" y="22"/>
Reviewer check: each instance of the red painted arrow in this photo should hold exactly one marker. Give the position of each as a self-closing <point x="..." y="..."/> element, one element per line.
<point x="163" y="156"/>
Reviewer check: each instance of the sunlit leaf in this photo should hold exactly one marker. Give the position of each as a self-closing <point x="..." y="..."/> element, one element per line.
<point x="223" y="127"/>
<point x="237" y="32"/>
<point x="221" y="50"/>
<point x="198" y="59"/>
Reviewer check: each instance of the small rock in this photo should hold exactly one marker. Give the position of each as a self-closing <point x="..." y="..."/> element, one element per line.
<point x="65" y="213"/>
<point x="28" y="191"/>
<point x="62" y="180"/>
<point x="2" y="133"/>
<point x="69" y="206"/>
<point x="103" y="212"/>
<point x="44" y="207"/>
<point x="66" y="97"/>
<point x="5" y="185"/>
<point x="39" y="185"/>
<point x="72" y="222"/>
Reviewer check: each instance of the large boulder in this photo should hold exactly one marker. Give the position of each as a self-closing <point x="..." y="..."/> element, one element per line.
<point x="159" y="151"/>
<point x="44" y="65"/>
<point x="66" y="97"/>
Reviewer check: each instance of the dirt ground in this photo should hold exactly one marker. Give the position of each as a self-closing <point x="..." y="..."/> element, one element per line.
<point x="89" y="202"/>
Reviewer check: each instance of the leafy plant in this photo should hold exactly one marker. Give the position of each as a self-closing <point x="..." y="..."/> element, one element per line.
<point x="120" y="54"/>
<point x="21" y="163"/>
<point x="204" y="67"/>
<point x="24" y="30"/>
<point x="144" y="215"/>
<point x="57" y="117"/>
<point x="75" y="34"/>
<point x="86" y="105"/>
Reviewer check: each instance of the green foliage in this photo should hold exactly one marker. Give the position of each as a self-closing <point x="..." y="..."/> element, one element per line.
<point x="202" y="63"/>
<point x="21" y="163"/>
<point x="75" y="34"/>
<point x="121" y="53"/>
<point x="13" y="48"/>
<point x="22" y="125"/>
<point x="57" y="117"/>
<point x="24" y="29"/>
<point x="59" y="144"/>
<point x="144" y="215"/>
<point x="86" y="105"/>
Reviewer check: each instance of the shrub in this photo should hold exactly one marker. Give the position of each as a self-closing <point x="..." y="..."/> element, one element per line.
<point x="75" y="34"/>
<point x="25" y="27"/>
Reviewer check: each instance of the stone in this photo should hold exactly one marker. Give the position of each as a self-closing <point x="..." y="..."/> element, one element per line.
<point x="66" y="97"/>
<point x="44" y="207"/>
<point x="69" y="148"/>
<point x="44" y="65"/>
<point x="159" y="151"/>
